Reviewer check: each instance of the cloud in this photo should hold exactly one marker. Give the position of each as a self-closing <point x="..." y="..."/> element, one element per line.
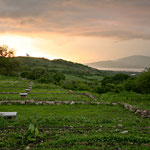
<point x="120" y="19"/>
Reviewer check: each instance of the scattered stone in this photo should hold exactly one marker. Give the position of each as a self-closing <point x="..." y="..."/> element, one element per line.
<point x="114" y="104"/>
<point x="90" y="96"/>
<point x="72" y="102"/>
<point x="124" y="132"/>
<point x="71" y="91"/>
<point x="22" y="102"/>
<point x="27" y="148"/>
<point x="120" y="125"/>
<point x="117" y="130"/>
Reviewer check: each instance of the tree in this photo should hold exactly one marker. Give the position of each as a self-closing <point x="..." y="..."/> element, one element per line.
<point x="143" y="81"/>
<point x="11" y="53"/>
<point x="37" y="73"/>
<point x="9" y="66"/>
<point x="6" y="52"/>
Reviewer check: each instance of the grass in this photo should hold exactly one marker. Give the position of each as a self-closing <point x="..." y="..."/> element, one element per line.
<point x="49" y="90"/>
<point x="37" y="85"/>
<point x="94" y="77"/>
<point x="139" y="100"/>
<point x="76" y="127"/>
<point x="46" y="97"/>
<point x="75" y="78"/>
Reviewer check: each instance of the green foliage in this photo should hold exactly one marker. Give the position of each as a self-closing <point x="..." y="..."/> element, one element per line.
<point x="43" y="76"/>
<point x="31" y="134"/>
<point x="9" y="66"/>
<point x="37" y="73"/>
<point x="143" y="82"/>
<point x="75" y="127"/>
<point x="116" y="79"/>
<point x="3" y="122"/>
<point x="25" y="74"/>
<point x="117" y="83"/>
<point x="68" y="84"/>
<point x="130" y="84"/>
<point x="58" y="65"/>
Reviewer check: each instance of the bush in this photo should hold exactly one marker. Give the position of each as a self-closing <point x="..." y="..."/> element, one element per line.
<point x="143" y="82"/>
<point x="68" y="84"/>
<point x="37" y="73"/>
<point x="9" y="66"/>
<point x="130" y="85"/>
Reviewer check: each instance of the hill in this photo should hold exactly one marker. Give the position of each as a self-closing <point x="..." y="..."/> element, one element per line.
<point x="57" y="65"/>
<point x="135" y="62"/>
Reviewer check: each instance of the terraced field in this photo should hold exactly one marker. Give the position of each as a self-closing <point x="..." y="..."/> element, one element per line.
<point x="64" y="126"/>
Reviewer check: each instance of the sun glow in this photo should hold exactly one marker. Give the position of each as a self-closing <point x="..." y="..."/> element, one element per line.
<point x="24" y="45"/>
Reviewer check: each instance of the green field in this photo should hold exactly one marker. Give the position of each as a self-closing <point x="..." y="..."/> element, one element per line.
<point x="78" y="126"/>
<point x="75" y="127"/>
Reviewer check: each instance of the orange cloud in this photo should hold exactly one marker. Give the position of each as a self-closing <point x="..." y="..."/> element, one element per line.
<point x="119" y="19"/>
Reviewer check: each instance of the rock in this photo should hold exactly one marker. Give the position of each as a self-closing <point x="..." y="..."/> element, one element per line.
<point x="124" y="132"/>
<point x="72" y="102"/>
<point x="120" y="125"/>
<point x="1" y="102"/>
<point x="22" y="102"/>
<point x="27" y="148"/>
<point x="117" y="130"/>
<point x="138" y="111"/>
<point x="114" y="104"/>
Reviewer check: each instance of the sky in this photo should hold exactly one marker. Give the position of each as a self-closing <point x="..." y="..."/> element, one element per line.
<point x="77" y="30"/>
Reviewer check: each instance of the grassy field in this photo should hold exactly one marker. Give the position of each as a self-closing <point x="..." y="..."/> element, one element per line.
<point x="74" y="78"/>
<point x="74" y="127"/>
<point x="78" y="127"/>
<point x="46" y="97"/>
<point x="139" y="100"/>
<point x="94" y="77"/>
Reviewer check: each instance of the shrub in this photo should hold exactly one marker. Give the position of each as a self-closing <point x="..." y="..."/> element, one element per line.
<point x="143" y="82"/>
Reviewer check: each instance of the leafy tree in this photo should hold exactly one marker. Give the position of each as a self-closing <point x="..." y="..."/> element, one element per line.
<point x="120" y="77"/>
<point x="8" y="65"/>
<point x="25" y="74"/>
<point x="37" y="73"/>
<point x="57" y="77"/>
<point x="6" y="52"/>
<point x="130" y="84"/>
<point x="143" y="82"/>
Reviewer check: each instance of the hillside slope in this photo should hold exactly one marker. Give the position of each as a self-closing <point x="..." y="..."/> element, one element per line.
<point x="58" y="65"/>
<point x="136" y="61"/>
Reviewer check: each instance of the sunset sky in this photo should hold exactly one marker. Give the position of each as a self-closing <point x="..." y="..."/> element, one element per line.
<point x="78" y="30"/>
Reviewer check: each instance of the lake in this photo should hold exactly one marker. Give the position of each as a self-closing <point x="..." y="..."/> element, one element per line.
<point x="122" y="69"/>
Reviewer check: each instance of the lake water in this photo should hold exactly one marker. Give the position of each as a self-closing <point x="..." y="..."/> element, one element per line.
<point x="122" y="69"/>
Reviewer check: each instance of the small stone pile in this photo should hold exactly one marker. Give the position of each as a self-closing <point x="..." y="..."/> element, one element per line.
<point x="141" y="112"/>
<point x="90" y="96"/>
<point x="85" y="94"/>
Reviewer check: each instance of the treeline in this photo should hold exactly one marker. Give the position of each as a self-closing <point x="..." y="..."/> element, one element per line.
<point x="123" y="82"/>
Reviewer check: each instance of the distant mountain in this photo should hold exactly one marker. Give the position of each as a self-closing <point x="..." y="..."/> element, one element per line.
<point x="135" y="62"/>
